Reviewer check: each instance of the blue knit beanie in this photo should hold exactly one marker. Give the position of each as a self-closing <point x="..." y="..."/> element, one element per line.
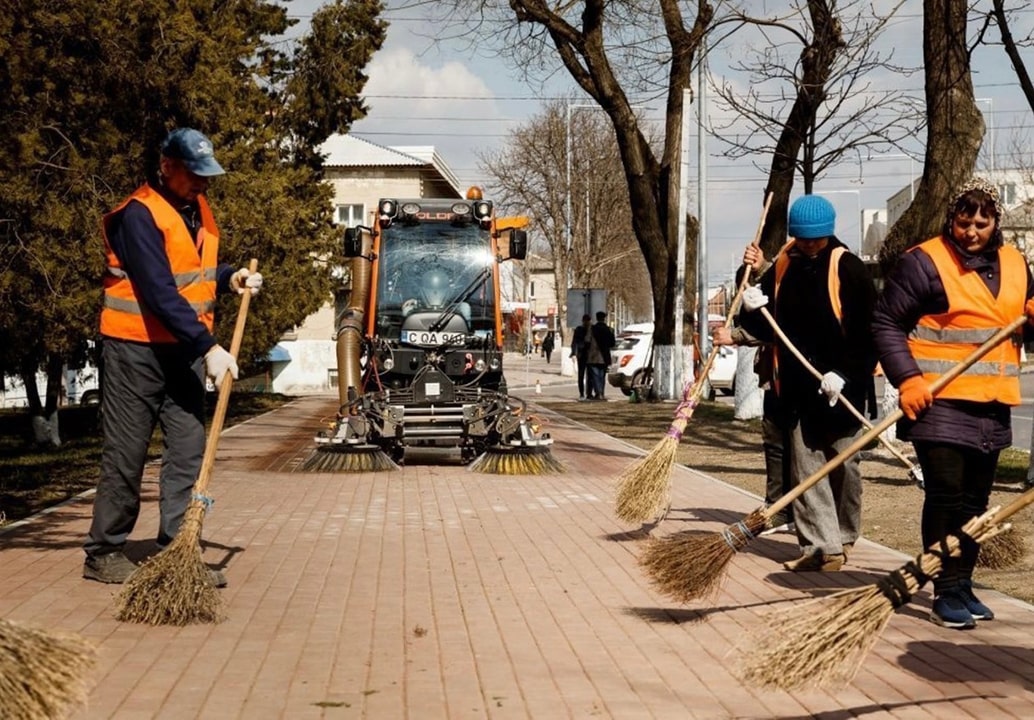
<point x="811" y="217"/>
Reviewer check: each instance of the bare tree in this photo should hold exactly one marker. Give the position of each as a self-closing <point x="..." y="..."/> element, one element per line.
<point x="529" y="176"/>
<point x="805" y="110"/>
<point x="954" y="130"/>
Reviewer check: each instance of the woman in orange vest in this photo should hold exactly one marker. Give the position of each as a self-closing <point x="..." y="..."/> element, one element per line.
<point x="161" y="245"/>
<point x="945" y="297"/>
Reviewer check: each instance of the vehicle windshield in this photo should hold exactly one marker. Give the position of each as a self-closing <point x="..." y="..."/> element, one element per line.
<point x="430" y="269"/>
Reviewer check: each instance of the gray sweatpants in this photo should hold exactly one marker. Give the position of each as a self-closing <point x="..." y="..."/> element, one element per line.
<point x="830" y="513"/>
<point x="143" y="386"/>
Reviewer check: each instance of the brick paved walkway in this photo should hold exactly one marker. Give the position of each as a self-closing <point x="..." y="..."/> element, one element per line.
<point x="434" y="592"/>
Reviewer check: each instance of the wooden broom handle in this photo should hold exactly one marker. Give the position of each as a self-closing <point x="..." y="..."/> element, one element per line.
<point x="219" y="417"/>
<point x="936" y="386"/>
<point x="842" y="400"/>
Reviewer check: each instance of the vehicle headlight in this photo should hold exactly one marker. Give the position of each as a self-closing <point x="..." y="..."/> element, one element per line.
<point x="387" y="363"/>
<point x="494" y="363"/>
<point x="480" y="365"/>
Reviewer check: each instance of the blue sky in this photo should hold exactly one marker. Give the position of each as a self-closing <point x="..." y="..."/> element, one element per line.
<point x="448" y="95"/>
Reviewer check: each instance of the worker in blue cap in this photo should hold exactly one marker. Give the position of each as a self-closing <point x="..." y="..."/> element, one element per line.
<point x="161" y="248"/>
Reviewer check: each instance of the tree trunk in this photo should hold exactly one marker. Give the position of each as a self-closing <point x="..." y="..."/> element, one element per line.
<point x="955" y="128"/>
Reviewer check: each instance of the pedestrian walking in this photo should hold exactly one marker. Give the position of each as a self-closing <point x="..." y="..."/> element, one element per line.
<point x="601" y="342"/>
<point x="946" y="296"/>
<point x="161" y="247"/>
<point x="548" y="343"/>
<point x="580" y="352"/>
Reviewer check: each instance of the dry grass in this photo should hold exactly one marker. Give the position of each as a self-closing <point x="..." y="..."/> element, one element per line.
<point x="730" y="450"/>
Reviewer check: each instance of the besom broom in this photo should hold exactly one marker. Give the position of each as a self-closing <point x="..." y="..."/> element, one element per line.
<point x="644" y="487"/>
<point x="823" y="642"/>
<point x="175" y="586"/>
<point x="41" y="673"/>
<point x="692" y="563"/>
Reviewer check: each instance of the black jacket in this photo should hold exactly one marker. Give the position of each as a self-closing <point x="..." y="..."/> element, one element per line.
<point x="804" y="312"/>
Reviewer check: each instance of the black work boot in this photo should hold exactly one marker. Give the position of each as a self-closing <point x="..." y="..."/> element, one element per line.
<point x="112" y="567"/>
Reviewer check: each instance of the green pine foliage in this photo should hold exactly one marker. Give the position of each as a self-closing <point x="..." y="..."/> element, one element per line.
<point x="88" y="88"/>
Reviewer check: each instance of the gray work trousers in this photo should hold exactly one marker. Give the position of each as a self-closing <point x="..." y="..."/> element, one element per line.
<point x="828" y="515"/>
<point x="143" y="386"/>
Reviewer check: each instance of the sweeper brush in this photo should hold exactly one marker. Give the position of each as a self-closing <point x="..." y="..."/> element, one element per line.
<point x="1003" y="550"/>
<point x="348" y="459"/>
<point x="42" y="673"/>
<point x="526" y="460"/>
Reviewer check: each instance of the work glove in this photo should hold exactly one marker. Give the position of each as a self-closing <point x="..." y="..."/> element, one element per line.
<point x="914" y="396"/>
<point x="218" y="362"/>
<point x="1029" y="310"/>
<point x="831" y="386"/>
<point x="244" y="279"/>
<point x="753" y="298"/>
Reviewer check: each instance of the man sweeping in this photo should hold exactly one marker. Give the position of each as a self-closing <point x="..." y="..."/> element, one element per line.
<point x="161" y="246"/>
<point x="822" y="298"/>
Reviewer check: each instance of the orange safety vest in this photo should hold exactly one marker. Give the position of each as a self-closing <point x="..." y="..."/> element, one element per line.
<point x="832" y="280"/>
<point x="941" y="341"/>
<point x="194" y="267"/>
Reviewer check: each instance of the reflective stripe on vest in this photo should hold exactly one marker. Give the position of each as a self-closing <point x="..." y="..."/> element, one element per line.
<point x="194" y="273"/>
<point x="939" y="342"/>
<point x="832" y="283"/>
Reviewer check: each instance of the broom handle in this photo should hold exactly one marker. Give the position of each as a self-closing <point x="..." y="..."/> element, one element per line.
<point x="936" y="386"/>
<point x="842" y="400"/>
<point x="208" y="461"/>
<point x="694" y="392"/>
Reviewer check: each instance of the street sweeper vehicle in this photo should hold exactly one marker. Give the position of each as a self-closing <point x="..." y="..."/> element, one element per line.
<point x="420" y="345"/>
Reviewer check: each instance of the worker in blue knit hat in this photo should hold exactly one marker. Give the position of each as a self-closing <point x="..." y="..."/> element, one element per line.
<point x="821" y="297"/>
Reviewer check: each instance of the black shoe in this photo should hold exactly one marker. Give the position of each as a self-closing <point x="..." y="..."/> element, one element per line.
<point x="950" y="611"/>
<point x="977" y="609"/>
<point x="114" y="568"/>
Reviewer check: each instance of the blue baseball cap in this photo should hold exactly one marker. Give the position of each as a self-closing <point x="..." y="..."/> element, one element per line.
<point x="194" y="150"/>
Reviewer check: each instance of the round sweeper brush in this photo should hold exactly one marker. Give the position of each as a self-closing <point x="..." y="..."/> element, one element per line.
<point x="340" y="457"/>
<point x="517" y="460"/>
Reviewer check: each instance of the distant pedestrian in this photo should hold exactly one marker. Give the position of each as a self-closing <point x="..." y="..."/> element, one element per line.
<point x="601" y="342"/>
<point x="580" y="351"/>
<point x="547" y="345"/>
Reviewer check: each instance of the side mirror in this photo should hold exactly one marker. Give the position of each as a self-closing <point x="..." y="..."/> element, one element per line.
<point x="518" y="244"/>
<point x="353" y="245"/>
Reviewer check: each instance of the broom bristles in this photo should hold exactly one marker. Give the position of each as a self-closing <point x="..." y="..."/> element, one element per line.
<point x="175" y="586"/>
<point x="820" y="643"/>
<point x="517" y="461"/>
<point x="643" y="489"/>
<point x="42" y="674"/>
<point x="692" y="564"/>
<point x="1003" y="550"/>
<point x="366" y="459"/>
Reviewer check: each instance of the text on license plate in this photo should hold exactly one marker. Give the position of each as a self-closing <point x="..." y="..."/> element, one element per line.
<point x="427" y="337"/>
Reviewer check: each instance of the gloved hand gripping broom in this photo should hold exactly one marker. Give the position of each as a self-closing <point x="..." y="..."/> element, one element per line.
<point x="692" y="563"/>
<point x="175" y="586"/>
<point x="644" y="487"/>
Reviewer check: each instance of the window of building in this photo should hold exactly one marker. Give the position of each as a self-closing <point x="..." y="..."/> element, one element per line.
<point x="349" y="215"/>
<point x="1008" y="193"/>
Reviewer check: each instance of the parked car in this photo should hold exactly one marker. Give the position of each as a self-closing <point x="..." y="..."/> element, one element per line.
<point x="723" y="371"/>
<point x="631" y="357"/>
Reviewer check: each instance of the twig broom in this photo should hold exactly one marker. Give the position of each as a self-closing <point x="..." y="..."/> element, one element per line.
<point x="644" y="487"/>
<point x="41" y="673"/>
<point x="692" y="563"/>
<point x="823" y="642"/>
<point x="175" y="587"/>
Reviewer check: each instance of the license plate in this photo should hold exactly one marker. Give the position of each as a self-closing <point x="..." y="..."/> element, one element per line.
<point x="426" y="337"/>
